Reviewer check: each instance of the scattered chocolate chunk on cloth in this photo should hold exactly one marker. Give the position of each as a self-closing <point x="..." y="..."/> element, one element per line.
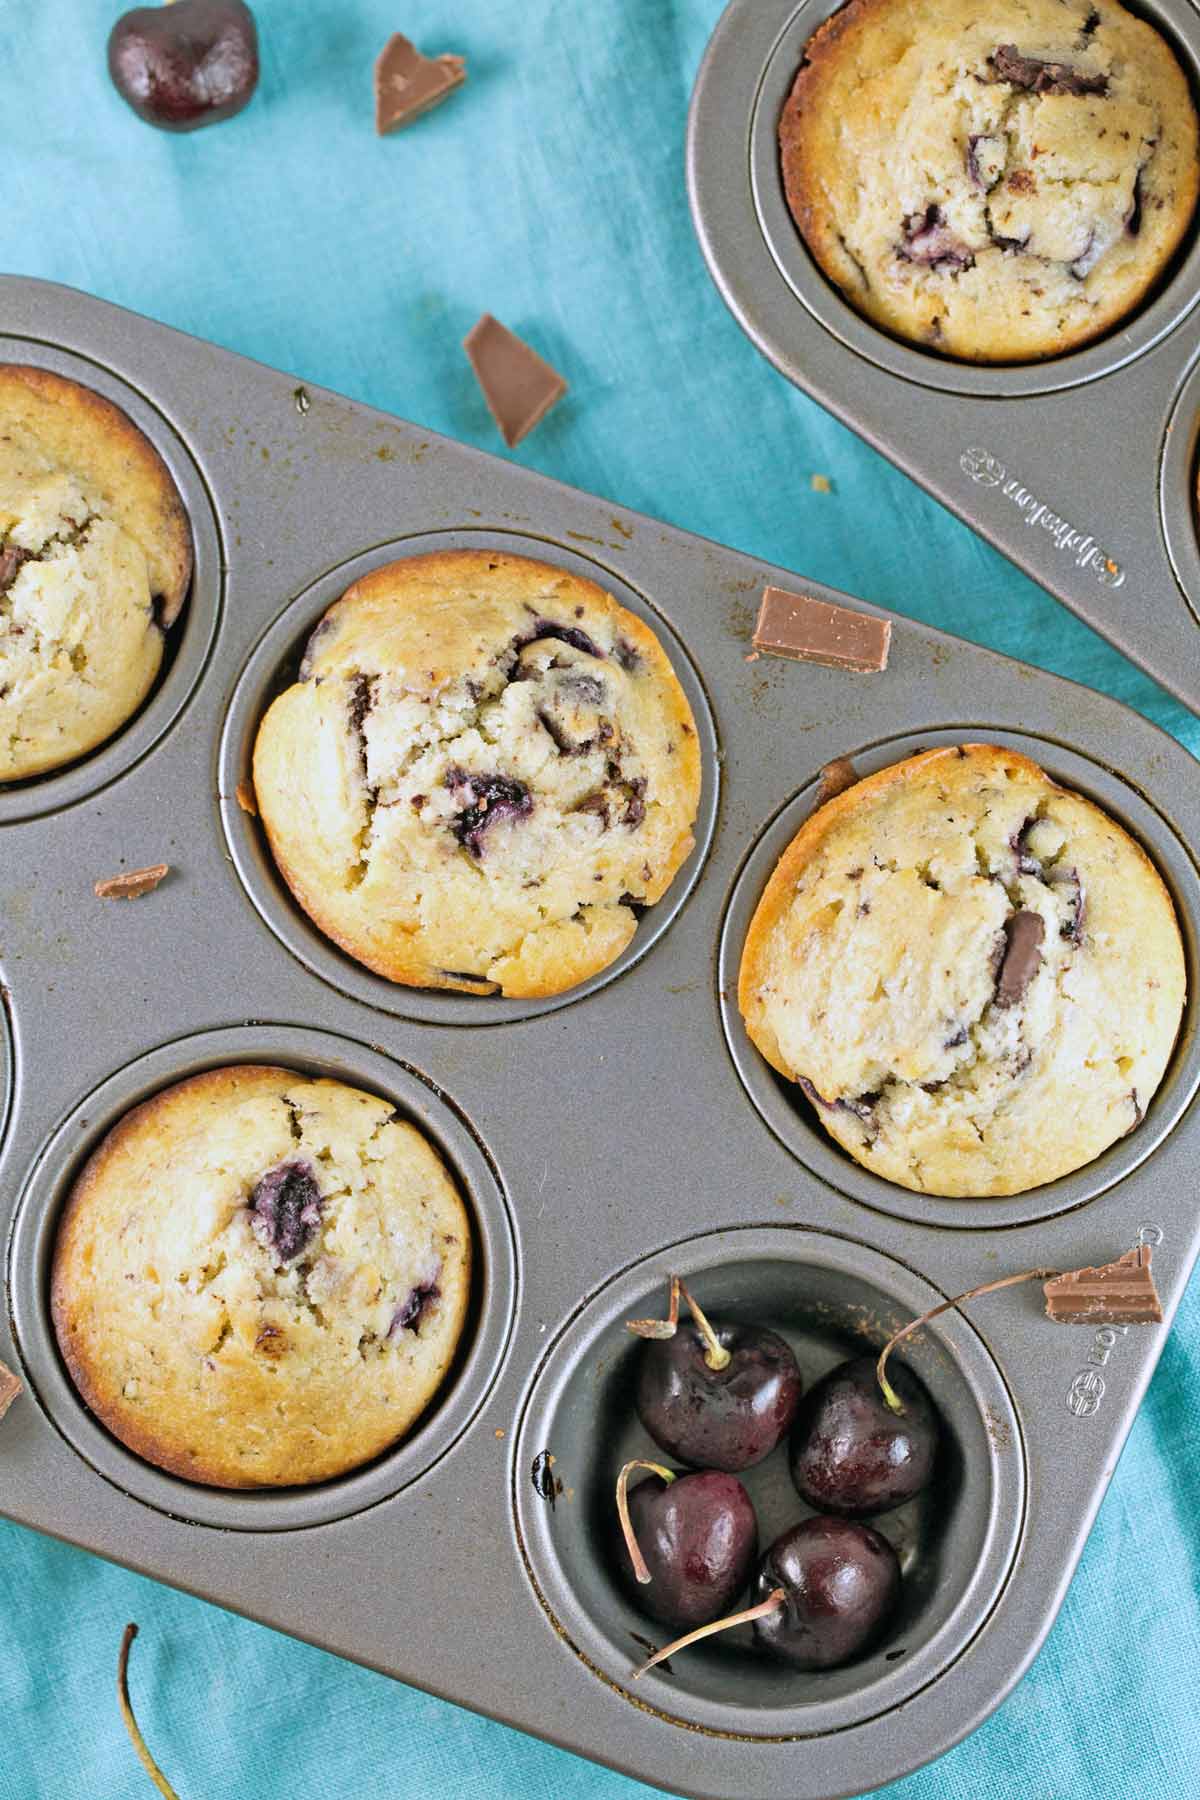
<point x="133" y="884"/>
<point x="1117" y="1293"/>
<point x="10" y="1387"/>
<point x="810" y="630"/>
<point x="408" y="84"/>
<point x="519" y="386"/>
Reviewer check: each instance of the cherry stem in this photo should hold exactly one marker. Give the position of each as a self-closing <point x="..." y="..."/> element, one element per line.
<point x="773" y="1601"/>
<point x="131" y="1725"/>
<point x="891" y="1397"/>
<point x="659" y="1328"/>
<point x="715" y="1353"/>
<point x="631" y="1543"/>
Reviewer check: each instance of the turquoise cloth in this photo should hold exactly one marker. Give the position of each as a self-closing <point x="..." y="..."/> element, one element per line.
<point x="550" y="192"/>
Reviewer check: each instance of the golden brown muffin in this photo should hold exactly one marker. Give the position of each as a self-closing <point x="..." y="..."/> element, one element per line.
<point x="95" y="561"/>
<point x="485" y="767"/>
<point x="998" y="183"/>
<point x="975" y="975"/>
<point x="260" y="1279"/>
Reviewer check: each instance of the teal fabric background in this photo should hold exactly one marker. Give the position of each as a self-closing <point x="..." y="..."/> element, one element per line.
<point x="549" y="191"/>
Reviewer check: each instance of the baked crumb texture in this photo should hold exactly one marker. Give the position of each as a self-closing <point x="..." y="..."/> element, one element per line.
<point x="998" y="183"/>
<point x="485" y="772"/>
<point x="975" y="975"/>
<point x="95" y="561"/>
<point x="260" y="1279"/>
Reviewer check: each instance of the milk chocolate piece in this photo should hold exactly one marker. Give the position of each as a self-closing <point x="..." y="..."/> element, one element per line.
<point x="835" y="778"/>
<point x="519" y="386"/>
<point x="133" y="884"/>
<point x="407" y="84"/>
<point x="10" y="1387"/>
<point x="810" y="630"/>
<point x="1119" y="1293"/>
<point x="1022" y="954"/>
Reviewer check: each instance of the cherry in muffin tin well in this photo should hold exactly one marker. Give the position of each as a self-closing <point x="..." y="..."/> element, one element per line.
<point x="601" y="1140"/>
<point x="1085" y="476"/>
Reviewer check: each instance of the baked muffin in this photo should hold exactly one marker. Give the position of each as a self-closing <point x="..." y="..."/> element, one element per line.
<point x="486" y="768"/>
<point x="260" y="1279"/>
<point x="998" y="182"/>
<point x="975" y="975"/>
<point x="95" y="561"/>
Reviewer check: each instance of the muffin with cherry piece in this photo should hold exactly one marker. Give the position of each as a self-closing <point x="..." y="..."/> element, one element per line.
<point x="975" y="975"/>
<point x="999" y="182"/>
<point x="486" y="770"/>
<point x="95" y="563"/>
<point x="260" y="1279"/>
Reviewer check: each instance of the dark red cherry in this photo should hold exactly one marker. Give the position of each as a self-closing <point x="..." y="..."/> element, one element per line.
<point x="839" y="1583"/>
<point x="851" y="1454"/>
<point x="697" y="1537"/>
<point x="185" y="65"/>
<point x="718" y="1396"/>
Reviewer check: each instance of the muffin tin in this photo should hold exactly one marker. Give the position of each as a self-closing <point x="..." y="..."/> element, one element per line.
<point x="1081" y="469"/>
<point x="624" y="1131"/>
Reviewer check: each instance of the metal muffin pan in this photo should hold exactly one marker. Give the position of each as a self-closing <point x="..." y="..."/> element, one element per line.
<point x="1081" y="469"/>
<point x="601" y="1144"/>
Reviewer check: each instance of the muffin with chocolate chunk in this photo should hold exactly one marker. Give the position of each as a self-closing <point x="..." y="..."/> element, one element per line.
<point x="260" y="1279"/>
<point x="95" y="560"/>
<point x="975" y="975"/>
<point x="485" y="771"/>
<point x="998" y="182"/>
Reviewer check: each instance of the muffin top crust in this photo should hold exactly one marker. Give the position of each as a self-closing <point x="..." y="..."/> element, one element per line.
<point x="975" y="975"/>
<point x="95" y="561"/>
<point x="484" y="772"/>
<point x="998" y="183"/>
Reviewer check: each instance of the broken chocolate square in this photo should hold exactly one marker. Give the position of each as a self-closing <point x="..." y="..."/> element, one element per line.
<point x="1117" y="1293"/>
<point x="10" y="1387"/>
<point x="810" y="630"/>
<point x="132" y="885"/>
<point x="519" y="386"/>
<point x="407" y="84"/>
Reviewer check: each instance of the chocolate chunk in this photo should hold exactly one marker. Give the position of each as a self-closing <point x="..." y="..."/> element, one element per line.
<point x="987" y="154"/>
<point x="519" y="386"/>
<point x="487" y="798"/>
<point x="834" y="779"/>
<point x="1022" y="954"/>
<point x="635" y="804"/>
<point x="594" y="803"/>
<point x="626" y="655"/>
<point x="1133" y="218"/>
<point x="1117" y="1293"/>
<point x="407" y="84"/>
<point x="11" y="558"/>
<point x="10" y="1387"/>
<point x="562" y="743"/>
<point x="805" y="629"/>
<point x="542" y="1474"/>
<point x="929" y="240"/>
<point x="132" y="885"/>
<point x="411" y="1310"/>
<point x="285" y="1205"/>
<point x="1038" y="76"/>
<point x="1009" y="244"/>
<point x="817" y="1098"/>
<point x="1068" y="884"/>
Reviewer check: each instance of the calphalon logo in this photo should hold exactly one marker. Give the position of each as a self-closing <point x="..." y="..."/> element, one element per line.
<point x="990" y="472"/>
<point x="1088" y="1387"/>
